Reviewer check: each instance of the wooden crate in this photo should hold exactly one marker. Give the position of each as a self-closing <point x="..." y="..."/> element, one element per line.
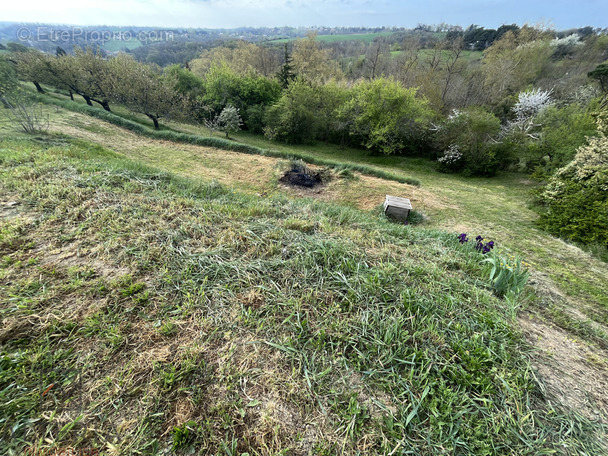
<point x="397" y="207"/>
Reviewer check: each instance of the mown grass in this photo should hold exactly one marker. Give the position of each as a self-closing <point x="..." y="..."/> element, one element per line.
<point x="498" y="208"/>
<point x="203" y="320"/>
<point x="220" y="143"/>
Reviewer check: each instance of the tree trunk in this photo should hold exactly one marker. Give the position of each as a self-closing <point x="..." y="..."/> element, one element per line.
<point x="71" y="96"/>
<point x="88" y="100"/>
<point x="155" y="120"/>
<point x="38" y="88"/>
<point x="105" y="105"/>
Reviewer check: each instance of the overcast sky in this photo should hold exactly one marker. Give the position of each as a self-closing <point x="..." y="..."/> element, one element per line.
<point x="561" y="14"/>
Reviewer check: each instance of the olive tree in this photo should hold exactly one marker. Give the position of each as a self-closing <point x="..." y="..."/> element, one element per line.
<point x="86" y="73"/>
<point x="93" y="74"/>
<point x="35" y="67"/>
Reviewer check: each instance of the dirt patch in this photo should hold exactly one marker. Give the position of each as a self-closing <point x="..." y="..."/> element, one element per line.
<point x="573" y="372"/>
<point x="11" y="208"/>
<point x="550" y="293"/>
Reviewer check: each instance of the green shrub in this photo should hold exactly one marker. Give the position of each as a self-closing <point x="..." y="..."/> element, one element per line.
<point x="564" y="131"/>
<point x="468" y="135"/>
<point x="575" y="201"/>
<point x="293" y="118"/>
<point x="386" y="117"/>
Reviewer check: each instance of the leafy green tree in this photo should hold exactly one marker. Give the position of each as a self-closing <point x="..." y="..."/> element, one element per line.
<point x="313" y="63"/>
<point x="35" y="67"/>
<point x="190" y="86"/>
<point x="222" y="87"/>
<point x="332" y="126"/>
<point x="144" y="89"/>
<point x="293" y="119"/>
<point x="286" y="73"/>
<point x="90" y="73"/>
<point x="65" y="73"/>
<point x="515" y="61"/>
<point x="8" y="79"/>
<point x="85" y="73"/>
<point x="385" y="116"/>
<point x="601" y="75"/>
<point x="17" y="47"/>
<point x="564" y="130"/>
<point x="241" y="57"/>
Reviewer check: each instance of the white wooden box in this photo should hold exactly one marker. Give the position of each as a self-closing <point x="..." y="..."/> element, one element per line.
<point x="397" y="207"/>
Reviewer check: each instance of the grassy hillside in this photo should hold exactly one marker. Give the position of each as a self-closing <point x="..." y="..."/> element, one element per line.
<point x="192" y="316"/>
<point x="571" y="283"/>
<point x="115" y="45"/>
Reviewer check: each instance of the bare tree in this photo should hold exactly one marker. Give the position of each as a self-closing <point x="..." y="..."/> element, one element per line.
<point x="453" y="65"/>
<point x="376" y="57"/>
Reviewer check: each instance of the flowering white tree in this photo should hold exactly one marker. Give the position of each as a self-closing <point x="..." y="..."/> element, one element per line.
<point x="567" y="41"/>
<point x="228" y="121"/>
<point x="529" y="105"/>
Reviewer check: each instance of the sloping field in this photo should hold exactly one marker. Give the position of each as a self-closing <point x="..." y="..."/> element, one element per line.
<point x="214" y="312"/>
<point x="566" y="320"/>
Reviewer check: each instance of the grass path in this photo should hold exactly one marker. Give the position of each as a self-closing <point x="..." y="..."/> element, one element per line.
<point x="571" y="284"/>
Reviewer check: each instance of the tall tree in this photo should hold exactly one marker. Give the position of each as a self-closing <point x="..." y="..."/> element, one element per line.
<point x="35" y="67"/>
<point x="92" y="71"/>
<point x="286" y="74"/>
<point x="377" y="58"/>
<point x="144" y="89"/>
<point x="313" y="63"/>
<point x="600" y="74"/>
<point x="515" y="61"/>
